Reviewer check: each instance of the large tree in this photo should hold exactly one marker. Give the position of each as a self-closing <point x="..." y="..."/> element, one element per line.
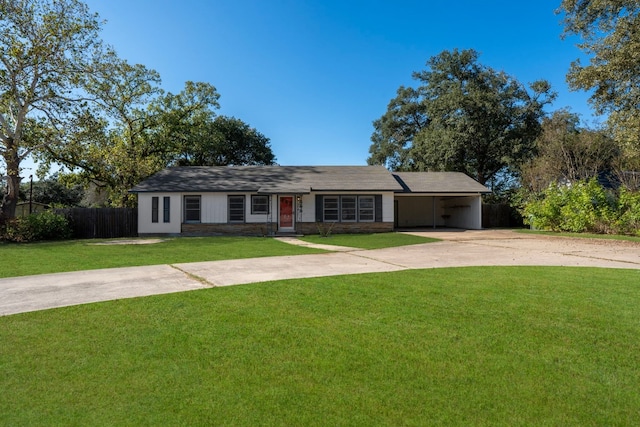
<point x="609" y="32"/>
<point x="463" y="116"/>
<point x="130" y="127"/>
<point x="224" y="141"/>
<point x="45" y="48"/>
<point x="568" y="152"/>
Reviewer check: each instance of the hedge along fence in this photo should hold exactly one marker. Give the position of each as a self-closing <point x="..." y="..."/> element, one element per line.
<point x="102" y="223"/>
<point x="585" y="206"/>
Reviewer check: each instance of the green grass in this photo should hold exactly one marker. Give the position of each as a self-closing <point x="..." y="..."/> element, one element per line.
<point x="464" y="346"/>
<point x="581" y="235"/>
<point x="369" y="241"/>
<point x="54" y="257"/>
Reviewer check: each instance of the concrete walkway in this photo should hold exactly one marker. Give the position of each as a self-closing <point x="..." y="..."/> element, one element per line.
<point x="469" y="248"/>
<point x="298" y="242"/>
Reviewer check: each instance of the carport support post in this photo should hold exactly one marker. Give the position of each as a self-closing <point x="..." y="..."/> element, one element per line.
<point x="433" y="208"/>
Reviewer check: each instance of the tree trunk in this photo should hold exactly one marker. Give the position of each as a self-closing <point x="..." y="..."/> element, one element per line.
<point x="10" y="201"/>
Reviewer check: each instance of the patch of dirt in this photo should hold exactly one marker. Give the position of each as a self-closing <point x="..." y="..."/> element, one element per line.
<point x="497" y="234"/>
<point x="592" y="241"/>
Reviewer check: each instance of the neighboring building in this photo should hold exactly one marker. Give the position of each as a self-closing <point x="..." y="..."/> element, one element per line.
<point x="266" y="200"/>
<point x="26" y="208"/>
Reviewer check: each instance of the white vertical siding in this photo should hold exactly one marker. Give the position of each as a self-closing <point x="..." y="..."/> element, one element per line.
<point x="260" y="218"/>
<point x="213" y="207"/>
<point x="145" y="226"/>
<point x="214" y="210"/>
<point x="387" y="207"/>
<point x="465" y="212"/>
<point x="308" y="208"/>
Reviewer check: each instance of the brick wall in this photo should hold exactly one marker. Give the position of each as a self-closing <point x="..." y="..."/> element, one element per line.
<point x="251" y="229"/>
<point x="344" y="227"/>
<point x="261" y="229"/>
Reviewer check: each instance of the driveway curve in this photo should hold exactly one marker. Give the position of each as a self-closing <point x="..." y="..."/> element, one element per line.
<point x="457" y="249"/>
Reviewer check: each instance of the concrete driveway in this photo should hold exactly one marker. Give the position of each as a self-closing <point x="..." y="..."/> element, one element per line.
<point x="457" y="248"/>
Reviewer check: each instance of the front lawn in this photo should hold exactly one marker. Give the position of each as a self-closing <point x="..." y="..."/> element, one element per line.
<point x="54" y="257"/>
<point x="369" y="241"/>
<point x="463" y="346"/>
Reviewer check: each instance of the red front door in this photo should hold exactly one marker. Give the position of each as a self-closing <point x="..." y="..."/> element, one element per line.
<point x="286" y="213"/>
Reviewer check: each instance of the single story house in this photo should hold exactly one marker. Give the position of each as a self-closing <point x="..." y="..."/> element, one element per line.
<point x="266" y="200"/>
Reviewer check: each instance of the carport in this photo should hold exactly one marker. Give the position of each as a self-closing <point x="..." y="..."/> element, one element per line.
<point x="438" y="199"/>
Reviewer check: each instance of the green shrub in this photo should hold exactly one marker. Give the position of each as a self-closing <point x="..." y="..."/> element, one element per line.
<point x="628" y="220"/>
<point x="543" y="213"/>
<point x="44" y="225"/>
<point x="587" y="208"/>
<point x="580" y="207"/>
<point x="16" y="230"/>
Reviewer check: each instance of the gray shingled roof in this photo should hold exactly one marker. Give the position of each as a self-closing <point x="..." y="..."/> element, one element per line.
<point x="269" y="179"/>
<point x="438" y="182"/>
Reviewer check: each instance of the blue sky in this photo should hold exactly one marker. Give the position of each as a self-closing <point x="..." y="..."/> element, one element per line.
<point x="313" y="75"/>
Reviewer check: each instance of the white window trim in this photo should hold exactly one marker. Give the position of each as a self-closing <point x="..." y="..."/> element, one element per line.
<point x="355" y="208"/>
<point x="373" y="209"/>
<point x="358" y="210"/>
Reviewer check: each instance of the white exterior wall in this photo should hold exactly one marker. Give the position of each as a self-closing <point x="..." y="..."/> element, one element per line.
<point x="308" y="213"/>
<point x="257" y="218"/>
<point x="214" y="209"/>
<point x="387" y="207"/>
<point x="465" y="212"/>
<point x="145" y="226"/>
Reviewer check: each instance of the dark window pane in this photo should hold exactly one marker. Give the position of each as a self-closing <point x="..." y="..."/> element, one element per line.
<point x="366" y="208"/>
<point x="236" y="208"/>
<point x="192" y="208"/>
<point x="331" y="208"/>
<point x="259" y="204"/>
<point x="154" y="209"/>
<point x="166" y="209"/>
<point x="348" y="211"/>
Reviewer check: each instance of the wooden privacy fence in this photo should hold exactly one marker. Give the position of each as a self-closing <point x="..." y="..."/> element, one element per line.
<point x="99" y="223"/>
<point x="500" y="215"/>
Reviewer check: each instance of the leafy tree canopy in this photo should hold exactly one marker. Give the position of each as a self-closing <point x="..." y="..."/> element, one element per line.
<point x="53" y="191"/>
<point x="45" y="50"/>
<point x="110" y="142"/>
<point x="568" y="152"/>
<point x="132" y="129"/>
<point x="609" y="32"/>
<point x="463" y="116"/>
<point x="66" y="98"/>
<point x="225" y="141"/>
